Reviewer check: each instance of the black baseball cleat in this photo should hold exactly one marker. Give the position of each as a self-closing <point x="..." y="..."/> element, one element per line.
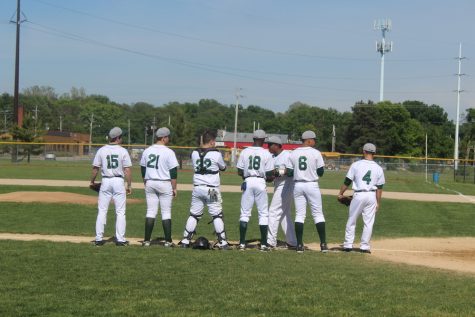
<point x="185" y="245"/>
<point x="323" y="247"/>
<point x="300" y="248"/>
<point x="122" y="243"/>
<point x="347" y="249"/>
<point x="99" y="243"/>
<point x="365" y="251"/>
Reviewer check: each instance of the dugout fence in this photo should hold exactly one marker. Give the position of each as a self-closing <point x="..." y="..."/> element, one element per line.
<point x="419" y="167"/>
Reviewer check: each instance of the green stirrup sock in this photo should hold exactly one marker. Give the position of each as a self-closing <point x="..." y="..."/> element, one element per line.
<point x="167" y="229"/>
<point x="299" y="232"/>
<point x="321" y="232"/>
<point x="263" y="229"/>
<point x="149" y="223"/>
<point x="242" y="232"/>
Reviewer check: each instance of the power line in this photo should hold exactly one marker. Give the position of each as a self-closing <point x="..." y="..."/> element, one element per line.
<point x="185" y="63"/>
<point x="231" y="45"/>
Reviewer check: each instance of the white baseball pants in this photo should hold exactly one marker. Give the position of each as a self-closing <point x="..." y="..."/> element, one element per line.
<point x="159" y="192"/>
<point x="364" y="204"/>
<point x="279" y="213"/>
<point x="255" y="192"/>
<point x="111" y="189"/>
<point x="308" y="192"/>
<point x="211" y="197"/>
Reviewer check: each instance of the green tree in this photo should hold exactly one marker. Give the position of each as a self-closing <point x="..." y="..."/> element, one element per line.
<point x="27" y="133"/>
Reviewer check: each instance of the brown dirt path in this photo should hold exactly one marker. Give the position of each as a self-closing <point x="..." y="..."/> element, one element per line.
<point x="454" y="254"/>
<point x="53" y="197"/>
<point x="236" y="189"/>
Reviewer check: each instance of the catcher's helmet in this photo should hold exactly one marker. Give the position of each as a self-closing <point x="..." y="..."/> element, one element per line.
<point x="201" y="243"/>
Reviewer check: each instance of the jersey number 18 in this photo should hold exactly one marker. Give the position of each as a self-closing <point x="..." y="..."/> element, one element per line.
<point x="254" y="163"/>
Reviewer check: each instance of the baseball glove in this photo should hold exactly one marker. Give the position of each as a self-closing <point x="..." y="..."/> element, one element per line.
<point x="345" y="200"/>
<point x="95" y="187"/>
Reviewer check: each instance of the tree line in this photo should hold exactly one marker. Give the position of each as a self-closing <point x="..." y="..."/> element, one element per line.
<point x="396" y="128"/>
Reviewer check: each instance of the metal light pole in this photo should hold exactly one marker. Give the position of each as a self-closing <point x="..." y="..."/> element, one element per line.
<point x="234" y="152"/>
<point x="383" y="48"/>
<point x="457" y="119"/>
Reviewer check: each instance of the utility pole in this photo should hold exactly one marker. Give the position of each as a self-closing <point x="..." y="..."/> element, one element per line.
<point x="153" y="128"/>
<point x="91" y="121"/>
<point x="60" y="123"/>
<point x="457" y="119"/>
<point x="5" y="113"/>
<point x="145" y="138"/>
<point x="128" y="134"/>
<point x="234" y="152"/>
<point x="383" y="48"/>
<point x="17" y="63"/>
<point x="333" y="139"/>
<point x="36" y="117"/>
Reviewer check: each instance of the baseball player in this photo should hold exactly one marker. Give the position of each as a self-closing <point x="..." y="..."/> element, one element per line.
<point x="306" y="166"/>
<point x="368" y="180"/>
<point x="279" y="209"/>
<point x="256" y="166"/>
<point x="207" y="162"/>
<point x="159" y="172"/>
<point x="114" y="163"/>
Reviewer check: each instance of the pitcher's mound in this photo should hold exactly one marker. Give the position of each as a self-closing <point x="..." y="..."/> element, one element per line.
<point x="53" y="197"/>
<point x="451" y="253"/>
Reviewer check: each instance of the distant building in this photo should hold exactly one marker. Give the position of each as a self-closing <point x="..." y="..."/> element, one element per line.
<point x="243" y="140"/>
<point x="74" y="143"/>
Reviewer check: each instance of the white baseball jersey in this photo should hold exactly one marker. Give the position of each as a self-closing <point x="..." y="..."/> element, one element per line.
<point x="366" y="175"/>
<point x="280" y="162"/>
<point x="305" y="161"/>
<point x="212" y="163"/>
<point x="112" y="159"/>
<point x="255" y="161"/>
<point x="158" y="160"/>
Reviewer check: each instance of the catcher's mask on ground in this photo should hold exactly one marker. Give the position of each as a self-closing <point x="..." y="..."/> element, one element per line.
<point x="201" y="243"/>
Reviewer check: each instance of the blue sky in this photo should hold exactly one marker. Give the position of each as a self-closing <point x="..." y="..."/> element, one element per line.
<point x="318" y="52"/>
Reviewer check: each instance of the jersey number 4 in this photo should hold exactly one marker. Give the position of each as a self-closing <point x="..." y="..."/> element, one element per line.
<point x="254" y="163"/>
<point x="367" y="177"/>
<point x="153" y="161"/>
<point x="112" y="161"/>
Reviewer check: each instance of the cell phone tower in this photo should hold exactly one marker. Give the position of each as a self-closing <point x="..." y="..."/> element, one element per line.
<point x="383" y="47"/>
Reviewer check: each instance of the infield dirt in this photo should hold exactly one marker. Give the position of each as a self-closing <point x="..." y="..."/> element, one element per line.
<point x="451" y="253"/>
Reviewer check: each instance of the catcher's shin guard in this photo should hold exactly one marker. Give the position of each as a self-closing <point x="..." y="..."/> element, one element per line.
<point x="219" y="227"/>
<point x="190" y="226"/>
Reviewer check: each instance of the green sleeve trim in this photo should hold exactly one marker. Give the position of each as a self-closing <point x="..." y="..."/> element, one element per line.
<point x="143" y="169"/>
<point x="380" y="186"/>
<point x="320" y="171"/>
<point x="174" y="173"/>
<point x="269" y="174"/>
<point x="240" y="172"/>
<point x="347" y="181"/>
<point x="290" y="172"/>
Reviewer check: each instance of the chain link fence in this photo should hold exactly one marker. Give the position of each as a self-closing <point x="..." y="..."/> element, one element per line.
<point x="431" y="169"/>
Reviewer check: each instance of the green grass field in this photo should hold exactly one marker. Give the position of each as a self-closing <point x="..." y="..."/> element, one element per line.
<point x="401" y="181"/>
<point x="65" y="279"/>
